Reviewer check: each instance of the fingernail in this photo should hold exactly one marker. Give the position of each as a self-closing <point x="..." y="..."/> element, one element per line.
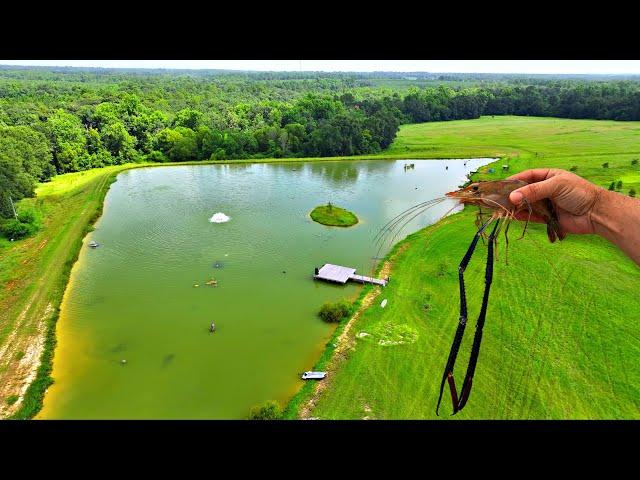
<point x="516" y="197"/>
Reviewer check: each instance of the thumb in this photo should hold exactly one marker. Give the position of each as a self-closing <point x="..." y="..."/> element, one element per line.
<point x="535" y="191"/>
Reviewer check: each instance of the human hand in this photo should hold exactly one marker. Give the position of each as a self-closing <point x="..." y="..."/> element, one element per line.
<point x="574" y="198"/>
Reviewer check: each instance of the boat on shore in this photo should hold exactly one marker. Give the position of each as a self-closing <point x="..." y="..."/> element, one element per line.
<point x="314" y="375"/>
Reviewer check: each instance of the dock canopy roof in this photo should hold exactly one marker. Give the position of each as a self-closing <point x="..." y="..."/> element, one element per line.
<point x="335" y="273"/>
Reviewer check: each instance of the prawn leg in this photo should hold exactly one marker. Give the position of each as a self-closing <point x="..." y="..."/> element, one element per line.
<point x="506" y="240"/>
<point x="462" y="322"/>
<point x="479" y="220"/>
<point x="526" y="224"/>
<point x="499" y="226"/>
<point x="477" y="339"/>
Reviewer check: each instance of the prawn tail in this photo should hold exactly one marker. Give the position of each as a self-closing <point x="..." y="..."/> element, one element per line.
<point x="554" y="231"/>
<point x="553" y="227"/>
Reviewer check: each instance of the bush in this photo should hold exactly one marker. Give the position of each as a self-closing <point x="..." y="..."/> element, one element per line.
<point x="334" y="312"/>
<point x="11" y="399"/>
<point x="218" y="154"/>
<point x="634" y="161"/>
<point x="574" y="168"/>
<point x="29" y="216"/>
<point x="632" y="193"/>
<point x="605" y="165"/>
<point x="619" y="185"/>
<point x="157" y="156"/>
<point x="27" y="224"/>
<point x="268" y="411"/>
<point x="612" y="186"/>
<point x="15" y="229"/>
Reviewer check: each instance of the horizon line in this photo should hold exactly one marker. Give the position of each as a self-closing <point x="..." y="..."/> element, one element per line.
<point x="80" y="67"/>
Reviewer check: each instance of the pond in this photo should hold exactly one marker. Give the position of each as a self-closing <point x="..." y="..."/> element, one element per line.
<point x="133" y="333"/>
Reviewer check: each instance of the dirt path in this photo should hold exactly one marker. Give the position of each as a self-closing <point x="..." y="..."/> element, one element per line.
<point x="345" y="342"/>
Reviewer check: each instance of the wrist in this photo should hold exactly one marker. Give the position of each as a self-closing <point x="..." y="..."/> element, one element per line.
<point x="604" y="214"/>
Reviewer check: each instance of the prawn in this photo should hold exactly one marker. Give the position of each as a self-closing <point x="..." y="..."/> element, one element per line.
<point x="493" y="195"/>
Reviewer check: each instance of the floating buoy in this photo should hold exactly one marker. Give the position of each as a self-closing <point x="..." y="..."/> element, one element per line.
<point x="123" y="361"/>
<point x="196" y="285"/>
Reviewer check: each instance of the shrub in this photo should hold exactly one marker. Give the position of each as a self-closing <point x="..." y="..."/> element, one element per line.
<point x="619" y="185"/>
<point x="11" y="399"/>
<point x="334" y="312"/>
<point x="632" y="193"/>
<point x="605" y="165"/>
<point x="574" y="168"/>
<point x="28" y="216"/>
<point x="634" y="161"/>
<point x="15" y="229"/>
<point x="157" y="156"/>
<point x="25" y="225"/>
<point x="218" y="154"/>
<point x="267" y="411"/>
<point x="612" y="186"/>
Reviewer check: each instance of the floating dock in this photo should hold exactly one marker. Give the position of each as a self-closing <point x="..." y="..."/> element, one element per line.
<point x="338" y="274"/>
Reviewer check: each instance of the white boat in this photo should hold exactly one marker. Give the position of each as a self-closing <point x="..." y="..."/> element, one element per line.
<point x="93" y="244"/>
<point x="384" y="303"/>
<point x="314" y="375"/>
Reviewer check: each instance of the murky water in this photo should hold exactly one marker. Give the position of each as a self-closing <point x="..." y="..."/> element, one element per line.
<point x="133" y="298"/>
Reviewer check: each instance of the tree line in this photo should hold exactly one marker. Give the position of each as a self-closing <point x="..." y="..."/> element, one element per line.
<point x="58" y="122"/>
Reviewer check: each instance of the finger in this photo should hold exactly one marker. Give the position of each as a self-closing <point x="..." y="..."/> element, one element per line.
<point x="535" y="191"/>
<point x="531" y="176"/>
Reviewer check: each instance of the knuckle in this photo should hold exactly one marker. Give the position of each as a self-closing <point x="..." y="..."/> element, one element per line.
<point x="532" y="191"/>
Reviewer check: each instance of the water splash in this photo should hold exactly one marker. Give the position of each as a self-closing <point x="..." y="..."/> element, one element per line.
<point x="219" y="218"/>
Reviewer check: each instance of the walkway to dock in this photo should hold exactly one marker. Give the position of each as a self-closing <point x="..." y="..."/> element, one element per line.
<point x="338" y="274"/>
<point x="365" y="279"/>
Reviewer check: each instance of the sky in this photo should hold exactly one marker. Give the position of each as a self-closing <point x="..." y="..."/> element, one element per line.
<point x="435" y="66"/>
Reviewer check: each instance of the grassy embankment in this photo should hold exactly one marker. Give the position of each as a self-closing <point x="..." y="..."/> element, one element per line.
<point x="34" y="273"/>
<point x="563" y="328"/>
<point x="333" y="216"/>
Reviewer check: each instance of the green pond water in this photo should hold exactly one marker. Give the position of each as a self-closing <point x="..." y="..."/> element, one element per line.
<point x="133" y="298"/>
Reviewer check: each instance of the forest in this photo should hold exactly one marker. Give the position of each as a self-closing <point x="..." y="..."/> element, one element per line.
<point x="59" y="120"/>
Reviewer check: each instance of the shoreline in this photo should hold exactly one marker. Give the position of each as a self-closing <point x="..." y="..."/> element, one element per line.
<point x="301" y="405"/>
<point x="39" y="365"/>
<point x="31" y="399"/>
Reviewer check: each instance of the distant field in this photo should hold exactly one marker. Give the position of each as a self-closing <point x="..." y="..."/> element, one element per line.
<point x="529" y="142"/>
<point x="562" y="336"/>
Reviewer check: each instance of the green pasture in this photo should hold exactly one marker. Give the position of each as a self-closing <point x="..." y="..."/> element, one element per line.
<point x="562" y="334"/>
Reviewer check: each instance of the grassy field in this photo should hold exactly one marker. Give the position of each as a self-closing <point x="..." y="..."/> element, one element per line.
<point x="333" y="216"/>
<point x="530" y="142"/>
<point x="563" y="329"/>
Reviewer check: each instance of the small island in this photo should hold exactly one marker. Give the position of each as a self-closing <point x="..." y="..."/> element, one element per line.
<point x="333" y="216"/>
